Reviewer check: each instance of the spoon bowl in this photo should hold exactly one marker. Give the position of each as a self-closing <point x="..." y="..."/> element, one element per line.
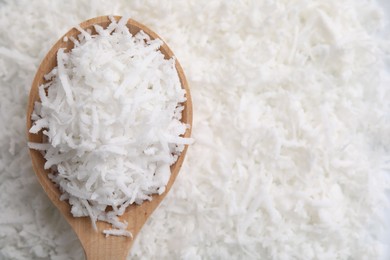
<point x="95" y="244"/>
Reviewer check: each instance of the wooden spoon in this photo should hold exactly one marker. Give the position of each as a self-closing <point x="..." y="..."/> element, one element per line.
<point x="95" y="244"/>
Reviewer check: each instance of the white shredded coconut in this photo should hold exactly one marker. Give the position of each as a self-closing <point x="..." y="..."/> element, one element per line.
<point x="117" y="232"/>
<point x="291" y="121"/>
<point x="110" y="99"/>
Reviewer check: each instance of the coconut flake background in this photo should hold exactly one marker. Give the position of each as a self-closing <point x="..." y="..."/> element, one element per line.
<point x="291" y="119"/>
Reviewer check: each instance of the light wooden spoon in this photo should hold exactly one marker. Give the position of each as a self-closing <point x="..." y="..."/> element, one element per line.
<point x="95" y="244"/>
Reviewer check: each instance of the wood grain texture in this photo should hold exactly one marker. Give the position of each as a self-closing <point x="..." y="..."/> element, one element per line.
<point x="95" y="244"/>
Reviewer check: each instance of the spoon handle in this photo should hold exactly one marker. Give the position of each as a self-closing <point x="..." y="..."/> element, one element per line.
<point x="111" y="248"/>
<point x="96" y="245"/>
<point x="103" y="252"/>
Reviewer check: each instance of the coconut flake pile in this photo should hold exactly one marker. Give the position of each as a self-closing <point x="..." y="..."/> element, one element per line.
<point x="291" y="122"/>
<point x="111" y="114"/>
